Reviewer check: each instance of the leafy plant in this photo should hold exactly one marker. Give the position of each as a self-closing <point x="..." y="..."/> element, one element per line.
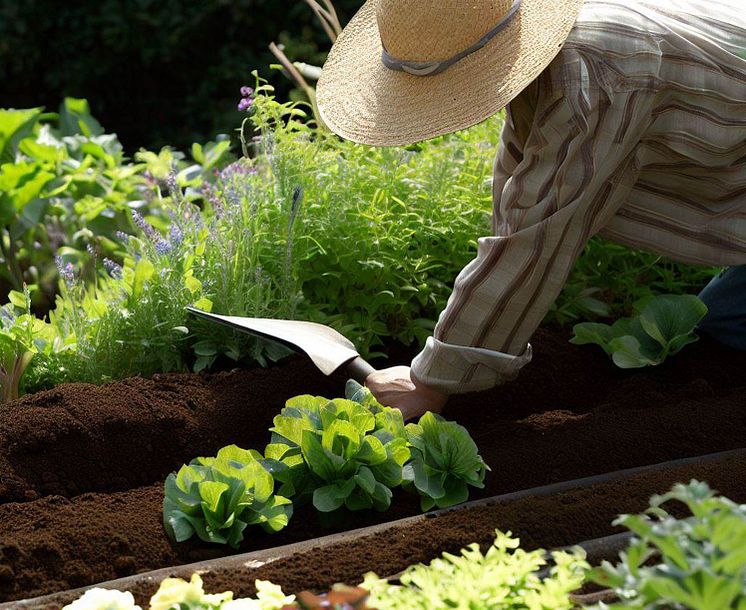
<point x="217" y="498"/>
<point x="693" y="563"/>
<point x="352" y="452"/>
<point x="505" y="577"/>
<point x="609" y="279"/>
<point x="335" y="452"/>
<point x="664" y="326"/>
<point x="445" y="462"/>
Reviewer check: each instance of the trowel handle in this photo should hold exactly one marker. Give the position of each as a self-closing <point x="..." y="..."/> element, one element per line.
<point x="359" y="369"/>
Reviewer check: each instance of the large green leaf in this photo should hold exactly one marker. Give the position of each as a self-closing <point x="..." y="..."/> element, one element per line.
<point x="14" y="126"/>
<point x="75" y="118"/>
<point x="668" y="318"/>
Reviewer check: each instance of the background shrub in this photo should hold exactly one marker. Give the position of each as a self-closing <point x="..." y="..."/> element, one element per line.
<point x="156" y="72"/>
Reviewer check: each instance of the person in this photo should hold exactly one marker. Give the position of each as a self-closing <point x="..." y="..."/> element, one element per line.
<point x="625" y="118"/>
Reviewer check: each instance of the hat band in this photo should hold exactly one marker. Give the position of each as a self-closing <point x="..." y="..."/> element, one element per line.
<point x="431" y="68"/>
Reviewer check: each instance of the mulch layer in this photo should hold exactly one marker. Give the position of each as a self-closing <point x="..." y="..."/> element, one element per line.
<point x="82" y="466"/>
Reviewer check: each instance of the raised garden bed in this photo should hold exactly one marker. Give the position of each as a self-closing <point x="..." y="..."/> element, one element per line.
<point x="82" y="467"/>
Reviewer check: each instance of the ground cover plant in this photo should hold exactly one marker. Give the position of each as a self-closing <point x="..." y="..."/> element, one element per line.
<point x="343" y="453"/>
<point x="663" y="326"/>
<point x="696" y="562"/>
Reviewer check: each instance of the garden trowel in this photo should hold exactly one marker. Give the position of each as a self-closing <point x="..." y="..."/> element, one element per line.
<point x="328" y="349"/>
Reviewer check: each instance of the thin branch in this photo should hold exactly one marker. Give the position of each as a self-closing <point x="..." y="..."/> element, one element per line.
<point x="289" y="67"/>
<point x="324" y="18"/>
<point x="295" y="75"/>
<point x="335" y="18"/>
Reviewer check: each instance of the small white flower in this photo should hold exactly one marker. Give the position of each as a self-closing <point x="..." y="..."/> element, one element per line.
<point x="104" y="599"/>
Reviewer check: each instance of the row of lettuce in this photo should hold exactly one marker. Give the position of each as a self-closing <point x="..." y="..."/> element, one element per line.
<point x="337" y="455"/>
<point x="691" y="562"/>
<point x="100" y="255"/>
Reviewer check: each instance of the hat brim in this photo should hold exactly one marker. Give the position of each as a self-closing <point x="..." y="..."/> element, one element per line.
<point x="362" y="100"/>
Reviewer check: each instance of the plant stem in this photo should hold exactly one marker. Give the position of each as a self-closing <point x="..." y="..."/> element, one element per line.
<point x="9" y="253"/>
<point x="295" y="75"/>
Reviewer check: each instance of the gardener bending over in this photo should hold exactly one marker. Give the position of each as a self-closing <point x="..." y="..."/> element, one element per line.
<point x="624" y="117"/>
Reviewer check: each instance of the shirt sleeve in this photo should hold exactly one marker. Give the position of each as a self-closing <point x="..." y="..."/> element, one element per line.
<point x="551" y="194"/>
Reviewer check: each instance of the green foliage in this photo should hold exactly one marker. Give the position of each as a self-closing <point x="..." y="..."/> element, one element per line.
<point x="445" y="462"/>
<point x="382" y="232"/>
<point x="158" y="72"/>
<point x="306" y="226"/>
<point x="664" y="326"/>
<point x="505" y="577"/>
<point x="609" y="279"/>
<point x="217" y="498"/>
<point x="353" y="452"/>
<point x="694" y="563"/>
<point x="22" y="336"/>
<point x="338" y="452"/>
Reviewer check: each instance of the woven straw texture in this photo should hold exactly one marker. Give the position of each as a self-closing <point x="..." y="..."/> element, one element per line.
<point x="363" y="101"/>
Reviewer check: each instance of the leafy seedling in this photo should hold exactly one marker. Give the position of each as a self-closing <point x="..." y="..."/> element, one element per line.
<point x="697" y="562"/>
<point x="664" y="326"/>
<point x="217" y="498"/>
<point x="445" y="462"/>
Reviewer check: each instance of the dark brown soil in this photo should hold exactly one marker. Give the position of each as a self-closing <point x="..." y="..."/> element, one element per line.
<point x="81" y="467"/>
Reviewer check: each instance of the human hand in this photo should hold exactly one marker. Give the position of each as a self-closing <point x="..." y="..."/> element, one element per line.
<point x="397" y="387"/>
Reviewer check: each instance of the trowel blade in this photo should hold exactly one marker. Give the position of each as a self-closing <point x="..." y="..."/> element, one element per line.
<point x="327" y="348"/>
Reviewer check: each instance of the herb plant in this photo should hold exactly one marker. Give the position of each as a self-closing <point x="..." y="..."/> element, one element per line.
<point x="217" y="498"/>
<point x="664" y="325"/>
<point x="445" y="462"/>
<point x="505" y="577"/>
<point x="694" y="563"/>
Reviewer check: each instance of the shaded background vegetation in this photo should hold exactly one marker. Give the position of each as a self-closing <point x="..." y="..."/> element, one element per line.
<point x="156" y="72"/>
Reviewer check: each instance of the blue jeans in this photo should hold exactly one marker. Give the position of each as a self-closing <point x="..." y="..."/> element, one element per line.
<point x="725" y="297"/>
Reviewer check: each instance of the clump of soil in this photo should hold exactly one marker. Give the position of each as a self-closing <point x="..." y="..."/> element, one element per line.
<point x="82" y="467"/>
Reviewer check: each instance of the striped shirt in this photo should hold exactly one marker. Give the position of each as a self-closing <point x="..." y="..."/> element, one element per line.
<point x="637" y="132"/>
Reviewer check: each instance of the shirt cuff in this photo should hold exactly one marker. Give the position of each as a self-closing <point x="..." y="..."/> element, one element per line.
<point x="457" y="369"/>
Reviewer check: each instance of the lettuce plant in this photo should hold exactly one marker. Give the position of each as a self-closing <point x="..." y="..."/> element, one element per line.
<point x="216" y="498"/>
<point x="337" y="453"/>
<point x="697" y="562"/>
<point x="505" y="577"/>
<point x="664" y="326"/>
<point x="445" y="462"/>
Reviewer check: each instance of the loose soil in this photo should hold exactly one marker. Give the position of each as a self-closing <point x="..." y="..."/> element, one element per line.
<point x="82" y="467"/>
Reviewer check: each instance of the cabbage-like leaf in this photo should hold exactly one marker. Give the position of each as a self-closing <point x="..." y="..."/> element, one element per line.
<point x="216" y="498"/>
<point x="664" y="326"/>
<point x="338" y="453"/>
<point x="445" y="462"/>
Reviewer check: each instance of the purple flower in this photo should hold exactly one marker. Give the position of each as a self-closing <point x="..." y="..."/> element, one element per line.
<point x="138" y="219"/>
<point x="122" y="236"/>
<point x="162" y="247"/>
<point x="113" y="268"/>
<point x="91" y="250"/>
<point x="247" y="99"/>
<point x="173" y="186"/>
<point x="176" y="235"/>
<point x="66" y="271"/>
<point x="237" y="168"/>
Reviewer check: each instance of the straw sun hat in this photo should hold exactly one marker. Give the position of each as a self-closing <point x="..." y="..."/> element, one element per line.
<point x="408" y="70"/>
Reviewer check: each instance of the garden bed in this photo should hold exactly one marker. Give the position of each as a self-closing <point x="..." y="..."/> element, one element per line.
<point x="82" y="467"/>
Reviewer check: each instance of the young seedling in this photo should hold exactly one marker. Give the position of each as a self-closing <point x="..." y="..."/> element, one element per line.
<point x="664" y="326"/>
